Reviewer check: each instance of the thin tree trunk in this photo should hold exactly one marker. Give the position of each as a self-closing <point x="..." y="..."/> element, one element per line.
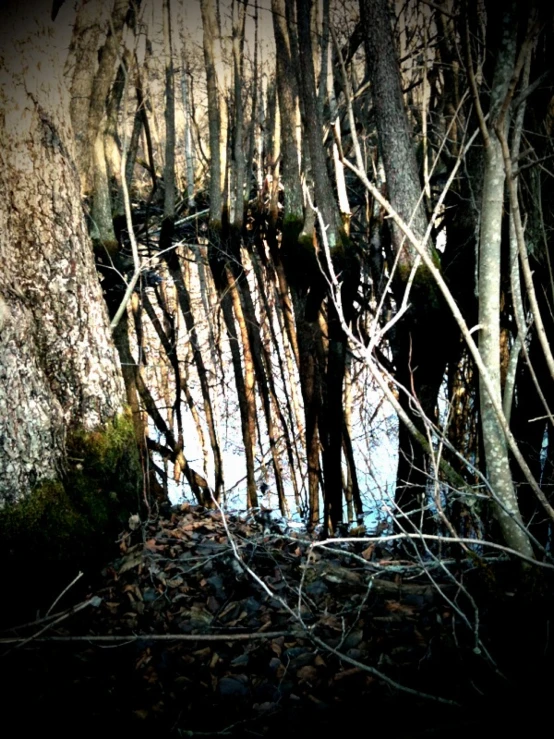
<point x="217" y="111"/>
<point x="189" y="153"/>
<point x="267" y="322"/>
<point x="170" y="138"/>
<point x="238" y="165"/>
<point x="494" y="441"/>
<point x="89" y="122"/>
<point x="419" y="350"/>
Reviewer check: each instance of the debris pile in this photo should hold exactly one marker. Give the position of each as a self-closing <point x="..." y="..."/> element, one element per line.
<point x="211" y="625"/>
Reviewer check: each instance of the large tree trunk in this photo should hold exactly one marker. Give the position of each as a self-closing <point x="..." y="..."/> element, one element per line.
<point x="58" y="364"/>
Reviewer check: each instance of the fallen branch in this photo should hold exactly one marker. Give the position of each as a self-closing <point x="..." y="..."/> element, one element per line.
<point x="128" y="638"/>
<point x="95" y="601"/>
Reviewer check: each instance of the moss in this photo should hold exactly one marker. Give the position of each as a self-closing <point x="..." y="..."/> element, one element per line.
<point x="103" y="246"/>
<point x="292" y="227"/>
<point x="425" y="291"/>
<point x="423" y="275"/>
<point x="103" y="467"/>
<point x="75" y="521"/>
<point x="298" y="254"/>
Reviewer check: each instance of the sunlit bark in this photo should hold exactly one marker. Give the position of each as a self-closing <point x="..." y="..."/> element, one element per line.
<point x="92" y="82"/>
<point x="217" y="110"/>
<point x="57" y="360"/>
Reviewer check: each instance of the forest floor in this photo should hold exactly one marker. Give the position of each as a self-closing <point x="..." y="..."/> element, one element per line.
<point x="207" y="626"/>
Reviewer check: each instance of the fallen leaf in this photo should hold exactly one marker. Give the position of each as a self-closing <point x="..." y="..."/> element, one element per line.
<point x="395" y="606"/>
<point x="307" y="674"/>
<point x="368" y="553"/>
<point x="234" y="687"/>
<point x="130" y="562"/>
<point x="347" y="673"/>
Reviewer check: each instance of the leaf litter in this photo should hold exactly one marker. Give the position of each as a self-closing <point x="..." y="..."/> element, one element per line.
<point x="182" y="638"/>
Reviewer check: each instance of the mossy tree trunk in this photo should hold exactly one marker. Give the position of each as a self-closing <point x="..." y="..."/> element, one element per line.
<point x="290" y="259"/>
<point x="58" y="364"/>
<point x="221" y="251"/>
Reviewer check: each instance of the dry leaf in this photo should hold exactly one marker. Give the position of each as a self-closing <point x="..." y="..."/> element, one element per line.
<point x="368" y="553"/>
<point x="395" y="606"/>
<point x="307" y="674"/>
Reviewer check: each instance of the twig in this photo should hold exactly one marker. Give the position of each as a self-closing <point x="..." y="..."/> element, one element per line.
<point x="129" y="222"/>
<point x="380" y="675"/>
<point x="130" y="638"/>
<point x="95" y="601"/>
<point x="435" y="272"/>
<point x="180" y="222"/>
<point x="442" y="539"/>
<point x="64" y="591"/>
<point x="42" y="620"/>
<point x="307" y="632"/>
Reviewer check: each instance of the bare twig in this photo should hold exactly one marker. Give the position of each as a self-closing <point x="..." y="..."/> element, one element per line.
<point x="64" y="591"/>
<point x="130" y="638"/>
<point x="129" y="221"/>
<point x="458" y="317"/>
<point x="81" y="606"/>
<point x="307" y="632"/>
<point x="438" y="538"/>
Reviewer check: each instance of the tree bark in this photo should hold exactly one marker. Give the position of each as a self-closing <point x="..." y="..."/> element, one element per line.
<point x="92" y="82"/>
<point x="494" y="441"/>
<point x="418" y="348"/>
<point x="217" y="110"/>
<point x="58" y="364"/>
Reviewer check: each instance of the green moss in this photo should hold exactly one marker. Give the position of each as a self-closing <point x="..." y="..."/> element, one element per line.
<point x="425" y="290"/>
<point x="103" y="246"/>
<point x="292" y="228"/>
<point x="423" y="275"/>
<point x="77" y="518"/>
<point x="45" y="518"/>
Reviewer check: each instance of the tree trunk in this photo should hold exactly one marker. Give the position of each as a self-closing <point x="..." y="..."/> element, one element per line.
<point x="331" y="233"/>
<point x="92" y="81"/>
<point x="188" y="149"/>
<point x="237" y="163"/>
<point x="217" y="110"/>
<point x="494" y="441"/>
<point x="418" y="347"/>
<point x="58" y="364"/>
